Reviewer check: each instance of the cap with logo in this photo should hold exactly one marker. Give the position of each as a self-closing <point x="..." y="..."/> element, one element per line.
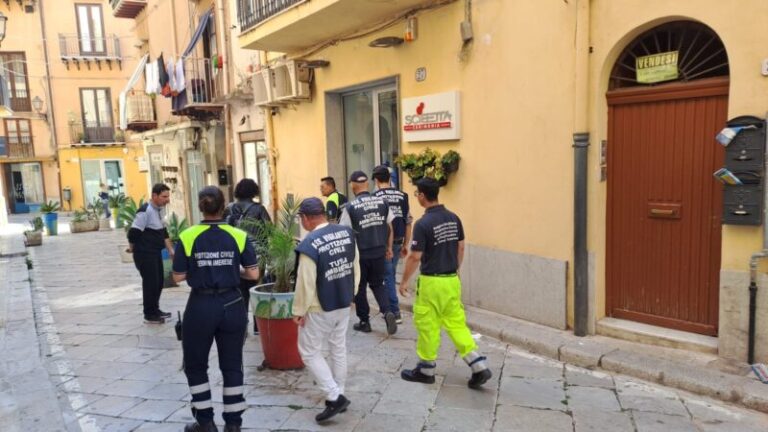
<point x="358" y="177"/>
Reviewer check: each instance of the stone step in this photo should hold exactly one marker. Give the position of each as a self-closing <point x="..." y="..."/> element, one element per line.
<point x="653" y="335"/>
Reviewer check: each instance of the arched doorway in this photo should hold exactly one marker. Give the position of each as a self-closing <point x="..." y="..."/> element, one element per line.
<point x="663" y="219"/>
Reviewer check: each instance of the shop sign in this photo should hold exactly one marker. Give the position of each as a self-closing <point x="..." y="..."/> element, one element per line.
<point x="657" y="67"/>
<point x="433" y="117"/>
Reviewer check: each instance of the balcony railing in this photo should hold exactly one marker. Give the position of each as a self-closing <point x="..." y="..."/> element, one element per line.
<point x="204" y="88"/>
<point x="22" y="149"/>
<point x="127" y="8"/>
<point x="20" y="101"/>
<point x="78" y="49"/>
<point x="91" y="134"/>
<point x="252" y="12"/>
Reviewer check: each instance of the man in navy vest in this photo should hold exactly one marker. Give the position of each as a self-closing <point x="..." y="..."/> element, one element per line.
<point x="325" y="284"/>
<point x="401" y="229"/>
<point x="371" y="219"/>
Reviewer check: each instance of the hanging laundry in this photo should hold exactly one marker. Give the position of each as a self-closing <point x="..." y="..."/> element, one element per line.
<point x="151" y="75"/>
<point x="181" y="82"/>
<point x="170" y="68"/>
<point x="165" y="88"/>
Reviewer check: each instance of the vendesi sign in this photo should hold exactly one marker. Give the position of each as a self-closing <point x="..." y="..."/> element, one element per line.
<point x="657" y="67"/>
<point x="434" y="117"/>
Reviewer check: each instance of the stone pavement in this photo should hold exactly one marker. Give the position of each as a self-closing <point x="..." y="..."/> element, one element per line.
<point x="107" y="371"/>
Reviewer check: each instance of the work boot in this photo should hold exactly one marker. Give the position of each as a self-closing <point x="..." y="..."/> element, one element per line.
<point x="479" y="378"/>
<point x="154" y="320"/>
<point x="332" y="408"/>
<point x="232" y="428"/>
<point x="197" y="427"/>
<point x="389" y="318"/>
<point x="362" y="326"/>
<point x="416" y="374"/>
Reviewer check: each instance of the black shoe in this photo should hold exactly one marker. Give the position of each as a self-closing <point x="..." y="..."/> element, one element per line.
<point x="479" y="378"/>
<point x="389" y="318"/>
<point x="332" y="408"/>
<point x="415" y="374"/>
<point x="398" y="317"/>
<point x="232" y="428"/>
<point x="362" y="326"/>
<point x="154" y="320"/>
<point x="255" y="327"/>
<point x="197" y="427"/>
<point x="165" y="315"/>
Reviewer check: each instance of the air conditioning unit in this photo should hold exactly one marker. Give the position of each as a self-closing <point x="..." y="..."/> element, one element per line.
<point x="263" y="85"/>
<point x="291" y="82"/>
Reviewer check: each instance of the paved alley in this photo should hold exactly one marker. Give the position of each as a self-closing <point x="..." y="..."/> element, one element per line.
<point x="111" y="372"/>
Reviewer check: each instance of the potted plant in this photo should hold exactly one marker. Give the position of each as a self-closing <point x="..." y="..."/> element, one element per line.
<point x="86" y="219"/>
<point x="115" y="202"/>
<point x="51" y="217"/>
<point x="429" y="163"/>
<point x="272" y="300"/>
<point x="175" y="227"/>
<point x="34" y="237"/>
<point x="127" y="213"/>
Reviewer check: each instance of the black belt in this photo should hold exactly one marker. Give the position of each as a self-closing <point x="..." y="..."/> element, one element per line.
<point x="399" y="240"/>
<point x="439" y="274"/>
<point x="212" y="291"/>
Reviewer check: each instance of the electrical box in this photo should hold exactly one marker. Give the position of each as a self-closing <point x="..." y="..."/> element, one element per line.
<point x="745" y="158"/>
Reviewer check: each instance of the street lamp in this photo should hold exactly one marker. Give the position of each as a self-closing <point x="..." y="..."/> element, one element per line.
<point x="37" y="104"/>
<point x="3" y="22"/>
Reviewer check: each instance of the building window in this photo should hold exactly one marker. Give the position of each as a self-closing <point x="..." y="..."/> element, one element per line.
<point x="14" y="70"/>
<point x="97" y="115"/>
<point x="18" y="135"/>
<point x="90" y="29"/>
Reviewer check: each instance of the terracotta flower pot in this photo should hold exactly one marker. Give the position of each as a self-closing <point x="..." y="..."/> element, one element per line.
<point x="279" y="334"/>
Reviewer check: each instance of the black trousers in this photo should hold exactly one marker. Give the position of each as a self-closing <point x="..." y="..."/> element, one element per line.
<point x="150" y="268"/>
<point x="371" y="275"/>
<point x="220" y="317"/>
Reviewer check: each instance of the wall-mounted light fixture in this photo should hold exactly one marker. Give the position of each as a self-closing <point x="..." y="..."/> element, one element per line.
<point x="411" y="29"/>
<point x="386" y="42"/>
<point x="37" y="105"/>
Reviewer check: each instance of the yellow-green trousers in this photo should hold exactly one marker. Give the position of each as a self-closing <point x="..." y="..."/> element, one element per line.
<point x="438" y="305"/>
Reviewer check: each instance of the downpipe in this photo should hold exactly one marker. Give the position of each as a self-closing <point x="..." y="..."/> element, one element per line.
<point x="753" y="302"/>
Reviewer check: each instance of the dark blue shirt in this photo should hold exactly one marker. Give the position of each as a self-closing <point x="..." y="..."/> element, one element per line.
<point x="211" y="254"/>
<point x="398" y="205"/>
<point x="437" y="235"/>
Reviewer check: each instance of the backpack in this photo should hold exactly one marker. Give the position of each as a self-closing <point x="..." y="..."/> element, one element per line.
<point x="237" y="214"/>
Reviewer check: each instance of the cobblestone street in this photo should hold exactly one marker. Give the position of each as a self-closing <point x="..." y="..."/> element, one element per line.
<point x="111" y="372"/>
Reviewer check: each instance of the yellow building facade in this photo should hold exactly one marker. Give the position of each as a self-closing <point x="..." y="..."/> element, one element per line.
<point x="67" y="63"/>
<point x="541" y="87"/>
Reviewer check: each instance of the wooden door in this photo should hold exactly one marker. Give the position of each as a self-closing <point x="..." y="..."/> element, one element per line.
<point x="664" y="228"/>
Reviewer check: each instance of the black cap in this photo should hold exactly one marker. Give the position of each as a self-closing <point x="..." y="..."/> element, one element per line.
<point x="311" y="207"/>
<point x="381" y="169"/>
<point x="358" y="177"/>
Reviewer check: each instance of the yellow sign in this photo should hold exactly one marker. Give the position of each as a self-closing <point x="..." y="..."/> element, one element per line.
<point x="657" y="67"/>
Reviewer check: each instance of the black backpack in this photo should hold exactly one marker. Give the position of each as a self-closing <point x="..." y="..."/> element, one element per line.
<point x="237" y="214"/>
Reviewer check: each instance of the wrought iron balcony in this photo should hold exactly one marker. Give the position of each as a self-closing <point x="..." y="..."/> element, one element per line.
<point x="22" y="149"/>
<point x="291" y="26"/>
<point x="204" y="89"/>
<point x="252" y="12"/>
<point x="76" y="49"/>
<point x="91" y="133"/>
<point x="127" y="8"/>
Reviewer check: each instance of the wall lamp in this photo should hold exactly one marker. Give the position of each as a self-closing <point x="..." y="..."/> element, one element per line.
<point x="37" y="105"/>
<point x="386" y="42"/>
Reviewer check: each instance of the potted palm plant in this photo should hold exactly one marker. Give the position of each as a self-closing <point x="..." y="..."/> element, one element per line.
<point x="34" y="237"/>
<point x="51" y="217"/>
<point x="175" y="227"/>
<point x="115" y="203"/>
<point x="272" y="300"/>
<point x="86" y="219"/>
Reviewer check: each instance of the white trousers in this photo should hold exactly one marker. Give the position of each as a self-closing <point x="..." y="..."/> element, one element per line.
<point x="318" y="328"/>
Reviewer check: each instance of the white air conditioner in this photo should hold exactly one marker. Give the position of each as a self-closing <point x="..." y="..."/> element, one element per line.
<point x="262" y="83"/>
<point x="291" y="82"/>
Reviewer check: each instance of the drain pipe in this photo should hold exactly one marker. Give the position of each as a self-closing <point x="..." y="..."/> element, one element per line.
<point x="753" y="262"/>
<point x="580" y="170"/>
